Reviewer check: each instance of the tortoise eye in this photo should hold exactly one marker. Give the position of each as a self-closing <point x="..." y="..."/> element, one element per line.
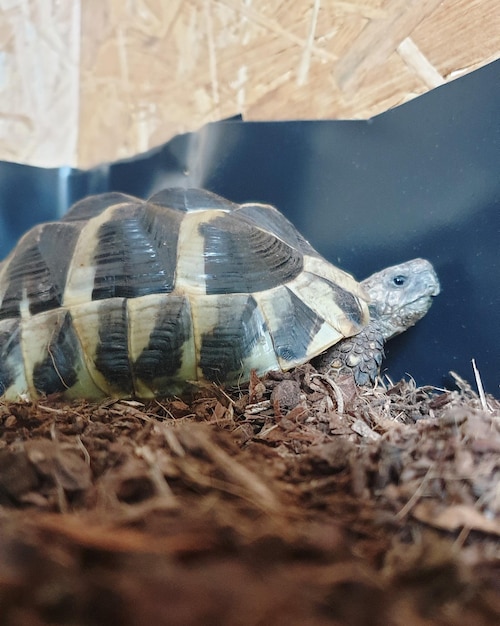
<point x="399" y="280"/>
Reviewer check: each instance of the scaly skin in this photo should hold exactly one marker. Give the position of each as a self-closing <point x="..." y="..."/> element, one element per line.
<point x="400" y="296"/>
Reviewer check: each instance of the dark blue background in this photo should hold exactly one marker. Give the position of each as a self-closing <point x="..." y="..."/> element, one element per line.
<point x="420" y="180"/>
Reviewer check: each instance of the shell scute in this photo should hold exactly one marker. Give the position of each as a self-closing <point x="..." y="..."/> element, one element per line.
<point x="53" y="351"/>
<point x="111" y="357"/>
<point x="270" y="220"/>
<point x="135" y="253"/>
<point x="92" y="206"/>
<point x="242" y="258"/>
<point x="232" y="337"/>
<point x="161" y="343"/>
<point x="292" y="324"/>
<point x="34" y="275"/>
<point x="342" y="309"/>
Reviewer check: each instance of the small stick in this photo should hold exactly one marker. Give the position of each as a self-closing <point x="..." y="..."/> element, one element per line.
<point x="480" y="388"/>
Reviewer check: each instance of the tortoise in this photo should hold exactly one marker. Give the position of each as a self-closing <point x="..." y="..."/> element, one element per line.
<point x="131" y="298"/>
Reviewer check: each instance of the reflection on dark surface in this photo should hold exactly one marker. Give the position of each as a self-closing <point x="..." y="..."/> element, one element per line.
<point x="420" y="180"/>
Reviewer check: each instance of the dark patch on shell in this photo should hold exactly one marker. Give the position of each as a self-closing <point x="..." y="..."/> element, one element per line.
<point x="112" y="359"/>
<point x="38" y="268"/>
<point x="242" y="258"/>
<point x="299" y="324"/>
<point x="347" y="301"/>
<point x="161" y="359"/>
<point x="136" y="253"/>
<point x="239" y="327"/>
<point x="58" y="371"/>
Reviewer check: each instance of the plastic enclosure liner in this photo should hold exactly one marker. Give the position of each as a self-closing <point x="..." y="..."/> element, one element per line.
<point x="421" y="180"/>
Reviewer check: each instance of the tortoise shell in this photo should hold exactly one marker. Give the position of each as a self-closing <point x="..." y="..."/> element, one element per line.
<point x="126" y="297"/>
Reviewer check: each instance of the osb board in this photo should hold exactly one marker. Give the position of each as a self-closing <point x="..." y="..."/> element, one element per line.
<point x="39" y="81"/>
<point x="150" y="69"/>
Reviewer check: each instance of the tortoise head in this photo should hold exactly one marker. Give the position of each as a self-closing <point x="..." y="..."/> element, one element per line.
<point x="401" y="295"/>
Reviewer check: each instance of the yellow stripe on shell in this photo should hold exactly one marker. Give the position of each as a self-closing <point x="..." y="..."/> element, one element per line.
<point x="82" y="271"/>
<point x="323" y="300"/>
<point x="190" y="276"/>
<point x="321" y="267"/>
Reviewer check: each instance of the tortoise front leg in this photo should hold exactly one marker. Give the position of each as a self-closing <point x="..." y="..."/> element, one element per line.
<point x="360" y="356"/>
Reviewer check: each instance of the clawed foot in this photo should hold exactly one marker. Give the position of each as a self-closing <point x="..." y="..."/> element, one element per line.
<point x="360" y="355"/>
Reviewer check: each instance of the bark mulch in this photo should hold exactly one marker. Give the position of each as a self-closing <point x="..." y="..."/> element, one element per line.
<point x="294" y="501"/>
